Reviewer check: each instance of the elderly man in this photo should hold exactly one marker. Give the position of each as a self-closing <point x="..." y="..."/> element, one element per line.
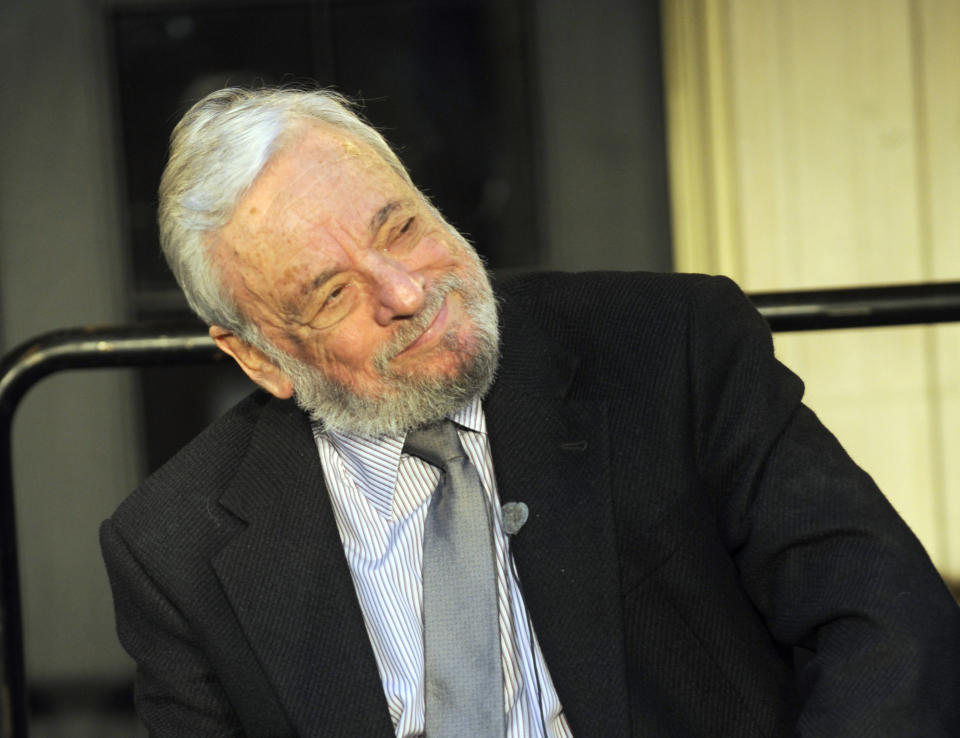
<point x="592" y="505"/>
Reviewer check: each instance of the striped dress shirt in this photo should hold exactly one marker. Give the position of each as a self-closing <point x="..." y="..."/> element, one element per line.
<point x="380" y="499"/>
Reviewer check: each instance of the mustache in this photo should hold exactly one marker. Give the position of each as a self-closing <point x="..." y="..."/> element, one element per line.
<point x="411" y="330"/>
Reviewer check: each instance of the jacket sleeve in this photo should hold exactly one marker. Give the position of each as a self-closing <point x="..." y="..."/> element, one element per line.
<point x="824" y="557"/>
<point x="176" y="691"/>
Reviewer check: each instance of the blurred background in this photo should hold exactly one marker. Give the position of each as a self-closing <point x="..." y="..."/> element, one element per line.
<point x="786" y="143"/>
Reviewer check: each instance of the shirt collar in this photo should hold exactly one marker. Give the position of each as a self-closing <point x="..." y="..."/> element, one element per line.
<point x="470" y="416"/>
<point x="373" y="462"/>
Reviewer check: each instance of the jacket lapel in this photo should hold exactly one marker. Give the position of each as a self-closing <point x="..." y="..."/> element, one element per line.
<point x="287" y="579"/>
<point x="550" y="451"/>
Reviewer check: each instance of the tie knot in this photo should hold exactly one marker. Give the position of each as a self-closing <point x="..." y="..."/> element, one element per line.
<point x="437" y="443"/>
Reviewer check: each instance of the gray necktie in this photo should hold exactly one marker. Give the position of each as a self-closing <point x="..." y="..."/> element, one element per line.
<point x="463" y="685"/>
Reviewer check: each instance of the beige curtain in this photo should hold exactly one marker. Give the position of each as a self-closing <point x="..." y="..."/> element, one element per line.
<point x="816" y="143"/>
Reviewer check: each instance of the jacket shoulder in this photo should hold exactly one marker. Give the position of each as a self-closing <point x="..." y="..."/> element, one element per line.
<point x="633" y="299"/>
<point x="648" y="312"/>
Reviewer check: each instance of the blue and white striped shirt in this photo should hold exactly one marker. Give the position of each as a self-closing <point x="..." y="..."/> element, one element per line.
<point x="380" y="498"/>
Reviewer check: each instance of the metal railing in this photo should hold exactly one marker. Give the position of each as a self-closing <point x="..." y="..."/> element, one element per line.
<point x="178" y="344"/>
<point x="76" y="348"/>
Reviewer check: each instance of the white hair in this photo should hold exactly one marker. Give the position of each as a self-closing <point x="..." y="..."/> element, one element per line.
<point x="216" y="152"/>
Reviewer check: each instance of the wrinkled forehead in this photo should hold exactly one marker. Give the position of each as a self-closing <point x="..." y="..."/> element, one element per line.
<point x="321" y="162"/>
<point x="319" y="192"/>
<point x="318" y="175"/>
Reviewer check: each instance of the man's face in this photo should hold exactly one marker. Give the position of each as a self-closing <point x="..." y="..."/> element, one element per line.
<point x="381" y="315"/>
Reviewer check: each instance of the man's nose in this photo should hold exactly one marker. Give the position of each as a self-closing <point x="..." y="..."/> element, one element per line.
<point x="398" y="290"/>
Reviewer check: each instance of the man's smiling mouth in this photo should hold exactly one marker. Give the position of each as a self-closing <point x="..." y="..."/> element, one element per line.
<point x="433" y="330"/>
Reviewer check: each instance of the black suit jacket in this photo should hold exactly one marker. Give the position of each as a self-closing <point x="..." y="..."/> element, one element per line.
<point x="693" y="528"/>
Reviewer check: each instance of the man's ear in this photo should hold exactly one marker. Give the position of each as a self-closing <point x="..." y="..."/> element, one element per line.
<point x="255" y="364"/>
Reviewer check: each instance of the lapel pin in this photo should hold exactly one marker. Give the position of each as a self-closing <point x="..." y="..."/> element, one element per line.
<point x="515" y="514"/>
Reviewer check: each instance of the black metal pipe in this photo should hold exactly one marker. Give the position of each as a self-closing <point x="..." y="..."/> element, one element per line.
<point x="188" y="343"/>
<point x="130" y="346"/>
<point x="860" y="307"/>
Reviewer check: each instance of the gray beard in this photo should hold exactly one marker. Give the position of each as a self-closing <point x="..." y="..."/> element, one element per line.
<point x="408" y="401"/>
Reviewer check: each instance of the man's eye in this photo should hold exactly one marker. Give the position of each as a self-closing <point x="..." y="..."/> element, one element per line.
<point x="407" y="225"/>
<point x="334" y="294"/>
